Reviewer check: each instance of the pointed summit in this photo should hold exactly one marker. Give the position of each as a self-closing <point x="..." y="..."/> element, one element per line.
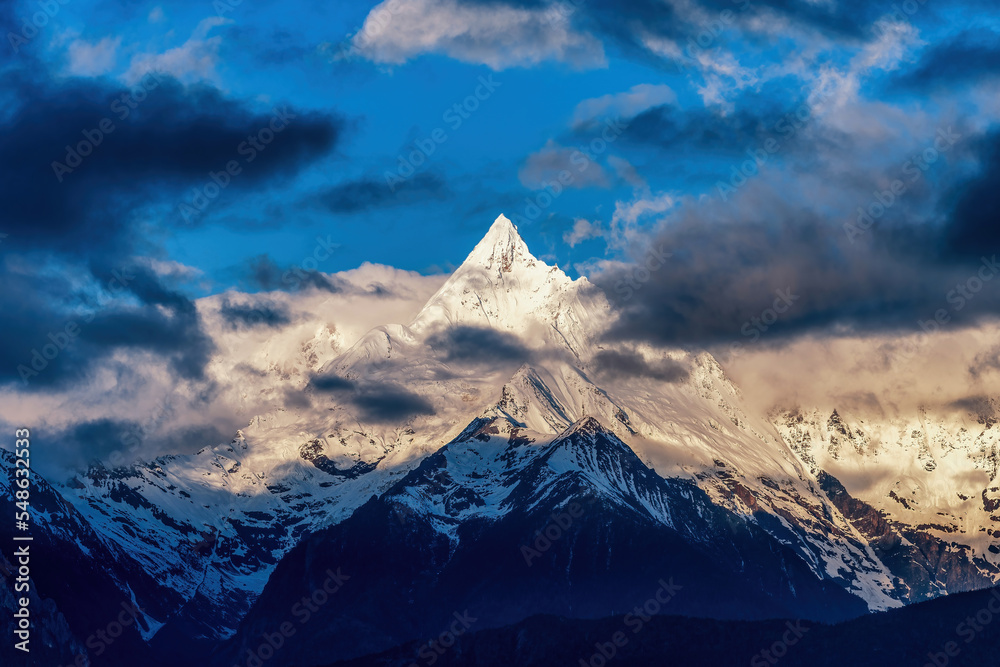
<point x="500" y="285"/>
<point x="501" y="249"/>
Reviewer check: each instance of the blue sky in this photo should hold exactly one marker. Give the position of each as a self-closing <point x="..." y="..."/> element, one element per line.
<point x="281" y="54"/>
<point x="748" y="138"/>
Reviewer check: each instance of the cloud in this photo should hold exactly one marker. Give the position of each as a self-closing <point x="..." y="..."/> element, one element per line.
<point x="46" y="344"/>
<point x="369" y="193"/>
<point x="193" y="61"/>
<point x="557" y="164"/>
<point x="389" y="403"/>
<point x="577" y="31"/>
<point x="330" y="383"/>
<point x="96" y="59"/>
<point x="628" y="173"/>
<point x="71" y="252"/>
<point x="985" y="362"/>
<point x="888" y="373"/>
<point x="265" y="274"/>
<point x="376" y="402"/>
<point x="96" y="440"/>
<point x="478" y="345"/>
<point x="973" y="215"/>
<point x="630" y="103"/>
<point x="582" y="230"/>
<point x="182" y="134"/>
<point x="115" y="442"/>
<point x="625" y="219"/>
<point x="969" y="56"/>
<point x="730" y="265"/>
<point x="628" y="364"/>
<point x="671" y="128"/>
<point x="253" y="314"/>
<point x="293" y="398"/>
<point x="494" y="34"/>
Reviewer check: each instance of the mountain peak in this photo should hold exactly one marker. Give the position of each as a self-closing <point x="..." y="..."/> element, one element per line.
<point x="501" y="285"/>
<point x="501" y="248"/>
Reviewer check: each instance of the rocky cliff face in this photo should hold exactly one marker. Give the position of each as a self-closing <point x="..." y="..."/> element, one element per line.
<point x="921" y="490"/>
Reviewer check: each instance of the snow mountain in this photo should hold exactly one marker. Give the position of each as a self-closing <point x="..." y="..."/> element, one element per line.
<point x="421" y="457"/>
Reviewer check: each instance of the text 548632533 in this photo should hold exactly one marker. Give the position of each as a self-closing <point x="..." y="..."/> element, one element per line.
<point x="21" y="488"/>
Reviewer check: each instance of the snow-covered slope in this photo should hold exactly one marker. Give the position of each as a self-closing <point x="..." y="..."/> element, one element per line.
<point x="932" y="478"/>
<point x="505" y="337"/>
<point x="506" y="523"/>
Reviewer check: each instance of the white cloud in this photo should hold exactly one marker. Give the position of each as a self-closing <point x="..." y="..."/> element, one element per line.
<point x="625" y="220"/>
<point x="630" y="103"/>
<point x="250" y="370"/>
<point x="722" y="73"/>
<point x="561" y="167"/>
<point x="582" y="231"/>
<point x="156" y="15"/>
<point x="168" y="268"/>
<point x="95" y="59"/>
<point x="194" y="60"/>
<point x="498" y="36"/>
<point x="895" y="44"/>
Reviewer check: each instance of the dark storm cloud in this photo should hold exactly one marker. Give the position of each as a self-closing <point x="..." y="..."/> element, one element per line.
<point x="249" y="315"/>
<point x="389" y="403"/>
<point x="975" y="206"/>
<point x="170" y="141"/>
<point x="33" y="320"/>
<point x="377" y="402"/>
<point x="97" y="440"/>
<point x="368" y="193"/>
<point x="54" y="335"/>
<point x="624" y="363"/>
<point x="264" y="273"/>
<point x="144" y="150"/>
<point x="668" y="127"/>
<point x="166" y="323"/>
<point x="969" y="56"/>
<point x="478" y="345"/>
<point x="116" y="442"/>
<point x="772" y="269"/>
<point x="331" y="383"/>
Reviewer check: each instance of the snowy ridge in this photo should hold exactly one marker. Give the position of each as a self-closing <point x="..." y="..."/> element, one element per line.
<point x="213" y="525"/>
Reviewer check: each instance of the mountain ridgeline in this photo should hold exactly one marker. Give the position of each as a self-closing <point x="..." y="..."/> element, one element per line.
<point x="500" y="482"/>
